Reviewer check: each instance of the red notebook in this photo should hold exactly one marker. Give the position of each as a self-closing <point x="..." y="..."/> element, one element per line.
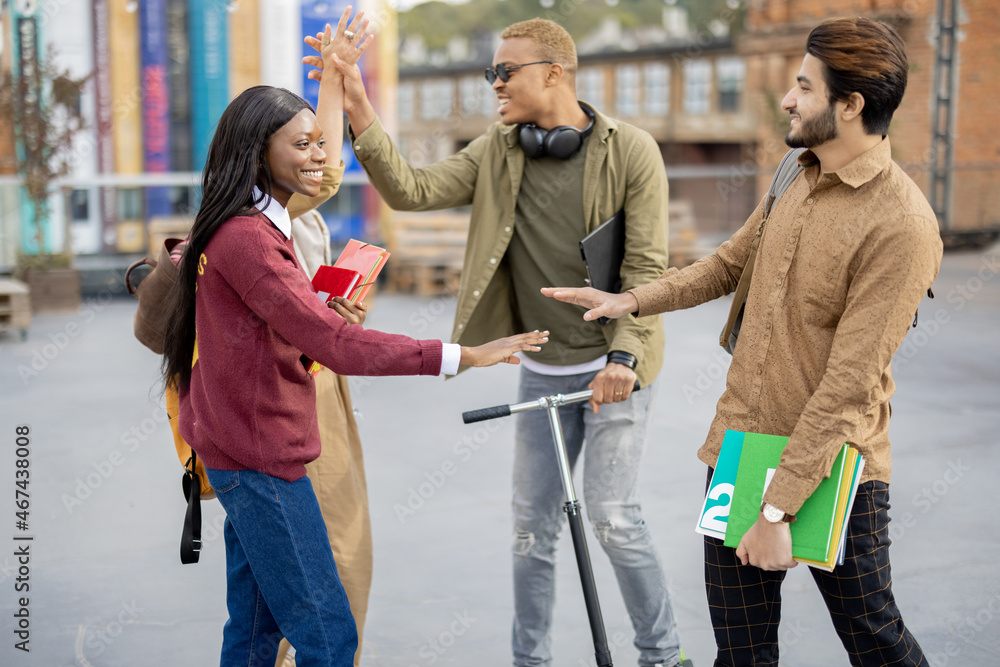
<point x="331" y="281"/>
<point x="367" y="260"/>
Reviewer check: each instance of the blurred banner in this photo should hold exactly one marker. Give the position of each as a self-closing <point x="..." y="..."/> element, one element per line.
<point x="155" y="100"/>
<point x="179" y="81"/>
<point x="315" y="15"/>
<point x="27" y="50"/>
<point x="280" y="42"/>
<point x="209" y="72"/>
<point x="244" y="47"/>
<point x="103" y="127"/>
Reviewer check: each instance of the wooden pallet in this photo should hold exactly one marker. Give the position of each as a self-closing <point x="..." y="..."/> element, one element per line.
<point x="416" y="279"/>
<point x="15" y="306"/>
<point x="683" y="240"/>
<point x="427" y="252"/>
<point x="428" y="248"/>
<point x="55" y="289"/>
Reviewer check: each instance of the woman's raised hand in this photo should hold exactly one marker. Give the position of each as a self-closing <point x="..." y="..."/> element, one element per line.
<point x="347" y="43"/>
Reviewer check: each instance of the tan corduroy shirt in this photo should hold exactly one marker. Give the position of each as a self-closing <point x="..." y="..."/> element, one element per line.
<point x="843" y="264"/>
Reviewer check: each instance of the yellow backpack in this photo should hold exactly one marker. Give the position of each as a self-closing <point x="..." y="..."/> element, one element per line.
<point x="149" y="327"/>
<point x="194" y="478"/>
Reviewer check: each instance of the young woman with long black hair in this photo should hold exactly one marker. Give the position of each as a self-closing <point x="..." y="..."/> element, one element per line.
<point x="245" y="323"/>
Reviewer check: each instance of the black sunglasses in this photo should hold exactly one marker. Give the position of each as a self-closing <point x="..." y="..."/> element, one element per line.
<point x="503" y="72"/>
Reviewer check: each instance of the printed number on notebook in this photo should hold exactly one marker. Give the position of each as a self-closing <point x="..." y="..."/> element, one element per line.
<point x="715" y="516"/>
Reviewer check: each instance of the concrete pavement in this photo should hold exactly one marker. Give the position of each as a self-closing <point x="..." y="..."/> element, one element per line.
<point x="107" y="587"/>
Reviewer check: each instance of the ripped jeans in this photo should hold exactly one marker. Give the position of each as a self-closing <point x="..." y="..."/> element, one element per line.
<point x="615" y="441"/>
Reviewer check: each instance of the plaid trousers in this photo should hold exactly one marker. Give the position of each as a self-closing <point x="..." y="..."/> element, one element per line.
<point x="745" y="601"/>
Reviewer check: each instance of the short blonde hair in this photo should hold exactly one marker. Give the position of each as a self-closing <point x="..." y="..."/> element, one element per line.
<point x="552" y="40"/>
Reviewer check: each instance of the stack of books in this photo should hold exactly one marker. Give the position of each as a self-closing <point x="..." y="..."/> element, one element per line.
<point x="353" y="274"/>
<point x="746" y="464"/>
<point x="351" y="277"/>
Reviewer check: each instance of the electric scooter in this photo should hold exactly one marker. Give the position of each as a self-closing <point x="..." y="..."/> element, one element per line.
<point x="572" y="505"/>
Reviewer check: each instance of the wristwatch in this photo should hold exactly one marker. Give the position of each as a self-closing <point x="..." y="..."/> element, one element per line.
<point x="773" y="515"/>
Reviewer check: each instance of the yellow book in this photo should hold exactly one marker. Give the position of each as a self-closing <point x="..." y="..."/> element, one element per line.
<point x="845" y="500"/>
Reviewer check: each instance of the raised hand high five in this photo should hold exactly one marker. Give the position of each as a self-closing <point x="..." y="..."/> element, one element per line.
<point x="339" y="59"/>
<point x="347" y="43"/>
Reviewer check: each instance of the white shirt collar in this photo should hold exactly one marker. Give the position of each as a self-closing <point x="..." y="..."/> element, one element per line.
<point x="274" y="212"/>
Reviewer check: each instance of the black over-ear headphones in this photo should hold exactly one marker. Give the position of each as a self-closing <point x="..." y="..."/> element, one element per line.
<point x="562" y="142"/>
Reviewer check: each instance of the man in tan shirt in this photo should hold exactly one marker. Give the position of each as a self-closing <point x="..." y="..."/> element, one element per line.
<point x="845" y="258"/>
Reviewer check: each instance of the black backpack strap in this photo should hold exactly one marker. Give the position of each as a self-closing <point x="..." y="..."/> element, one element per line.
<point x="930" y="293"/>
<point x="191" y="534"/>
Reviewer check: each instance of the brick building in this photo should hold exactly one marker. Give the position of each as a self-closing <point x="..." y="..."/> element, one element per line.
<point x="774" y="44"/>
<point x="690" y="95"/>
<point x="713" y="104"/>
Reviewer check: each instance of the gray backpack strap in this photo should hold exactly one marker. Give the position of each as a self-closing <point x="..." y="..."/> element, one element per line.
<point x="788" y="170"/>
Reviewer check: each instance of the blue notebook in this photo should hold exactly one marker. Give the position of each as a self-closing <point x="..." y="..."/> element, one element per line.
<point x="719" y="498"/>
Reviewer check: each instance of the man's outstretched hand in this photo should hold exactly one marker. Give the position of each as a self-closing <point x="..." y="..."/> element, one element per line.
<point x="597" y="303"/>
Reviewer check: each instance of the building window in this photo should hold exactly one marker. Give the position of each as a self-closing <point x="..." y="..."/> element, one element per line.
<point x="730" y="75"/>
<point x="130" y="203"/>
<point x="404" y="101"/>
<point x="489" y="103"/>
<point x="436" y="99"/>
<point x="627" y="90"/>
<point x="697" y="86"/>
<point x="471" y="91"/>
<point x="657" y="90"/>
<point x="590" y="86"/>
<point x="180" y="200"/>
<point x="79" y="205"/>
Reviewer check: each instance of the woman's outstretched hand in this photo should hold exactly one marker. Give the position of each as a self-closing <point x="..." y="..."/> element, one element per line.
<point x="502" y="350"/>
<point x="597" y="303"/>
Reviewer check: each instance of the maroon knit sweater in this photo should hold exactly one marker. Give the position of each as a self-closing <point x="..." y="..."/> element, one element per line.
<point x="251" y="403"/>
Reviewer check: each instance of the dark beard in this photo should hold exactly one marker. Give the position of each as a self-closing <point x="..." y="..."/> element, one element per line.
<point x="816" y="131"/>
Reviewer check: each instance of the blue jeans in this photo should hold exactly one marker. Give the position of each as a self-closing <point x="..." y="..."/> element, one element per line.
<point x="615" y="441"/>
<point x="281" y="580"/>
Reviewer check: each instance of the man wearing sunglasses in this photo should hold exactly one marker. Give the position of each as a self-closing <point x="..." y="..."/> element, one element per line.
<point x="540" y="180"/>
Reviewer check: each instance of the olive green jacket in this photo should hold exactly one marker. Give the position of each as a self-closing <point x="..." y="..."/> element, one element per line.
<point x="623" y="169"/>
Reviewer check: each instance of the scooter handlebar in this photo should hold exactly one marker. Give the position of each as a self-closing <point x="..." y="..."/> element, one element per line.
<point x="484" y="414"/>
<point x="498" y="411"/>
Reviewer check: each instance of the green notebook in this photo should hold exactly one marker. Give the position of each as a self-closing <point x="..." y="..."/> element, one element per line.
<point x="813" y="528"/>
